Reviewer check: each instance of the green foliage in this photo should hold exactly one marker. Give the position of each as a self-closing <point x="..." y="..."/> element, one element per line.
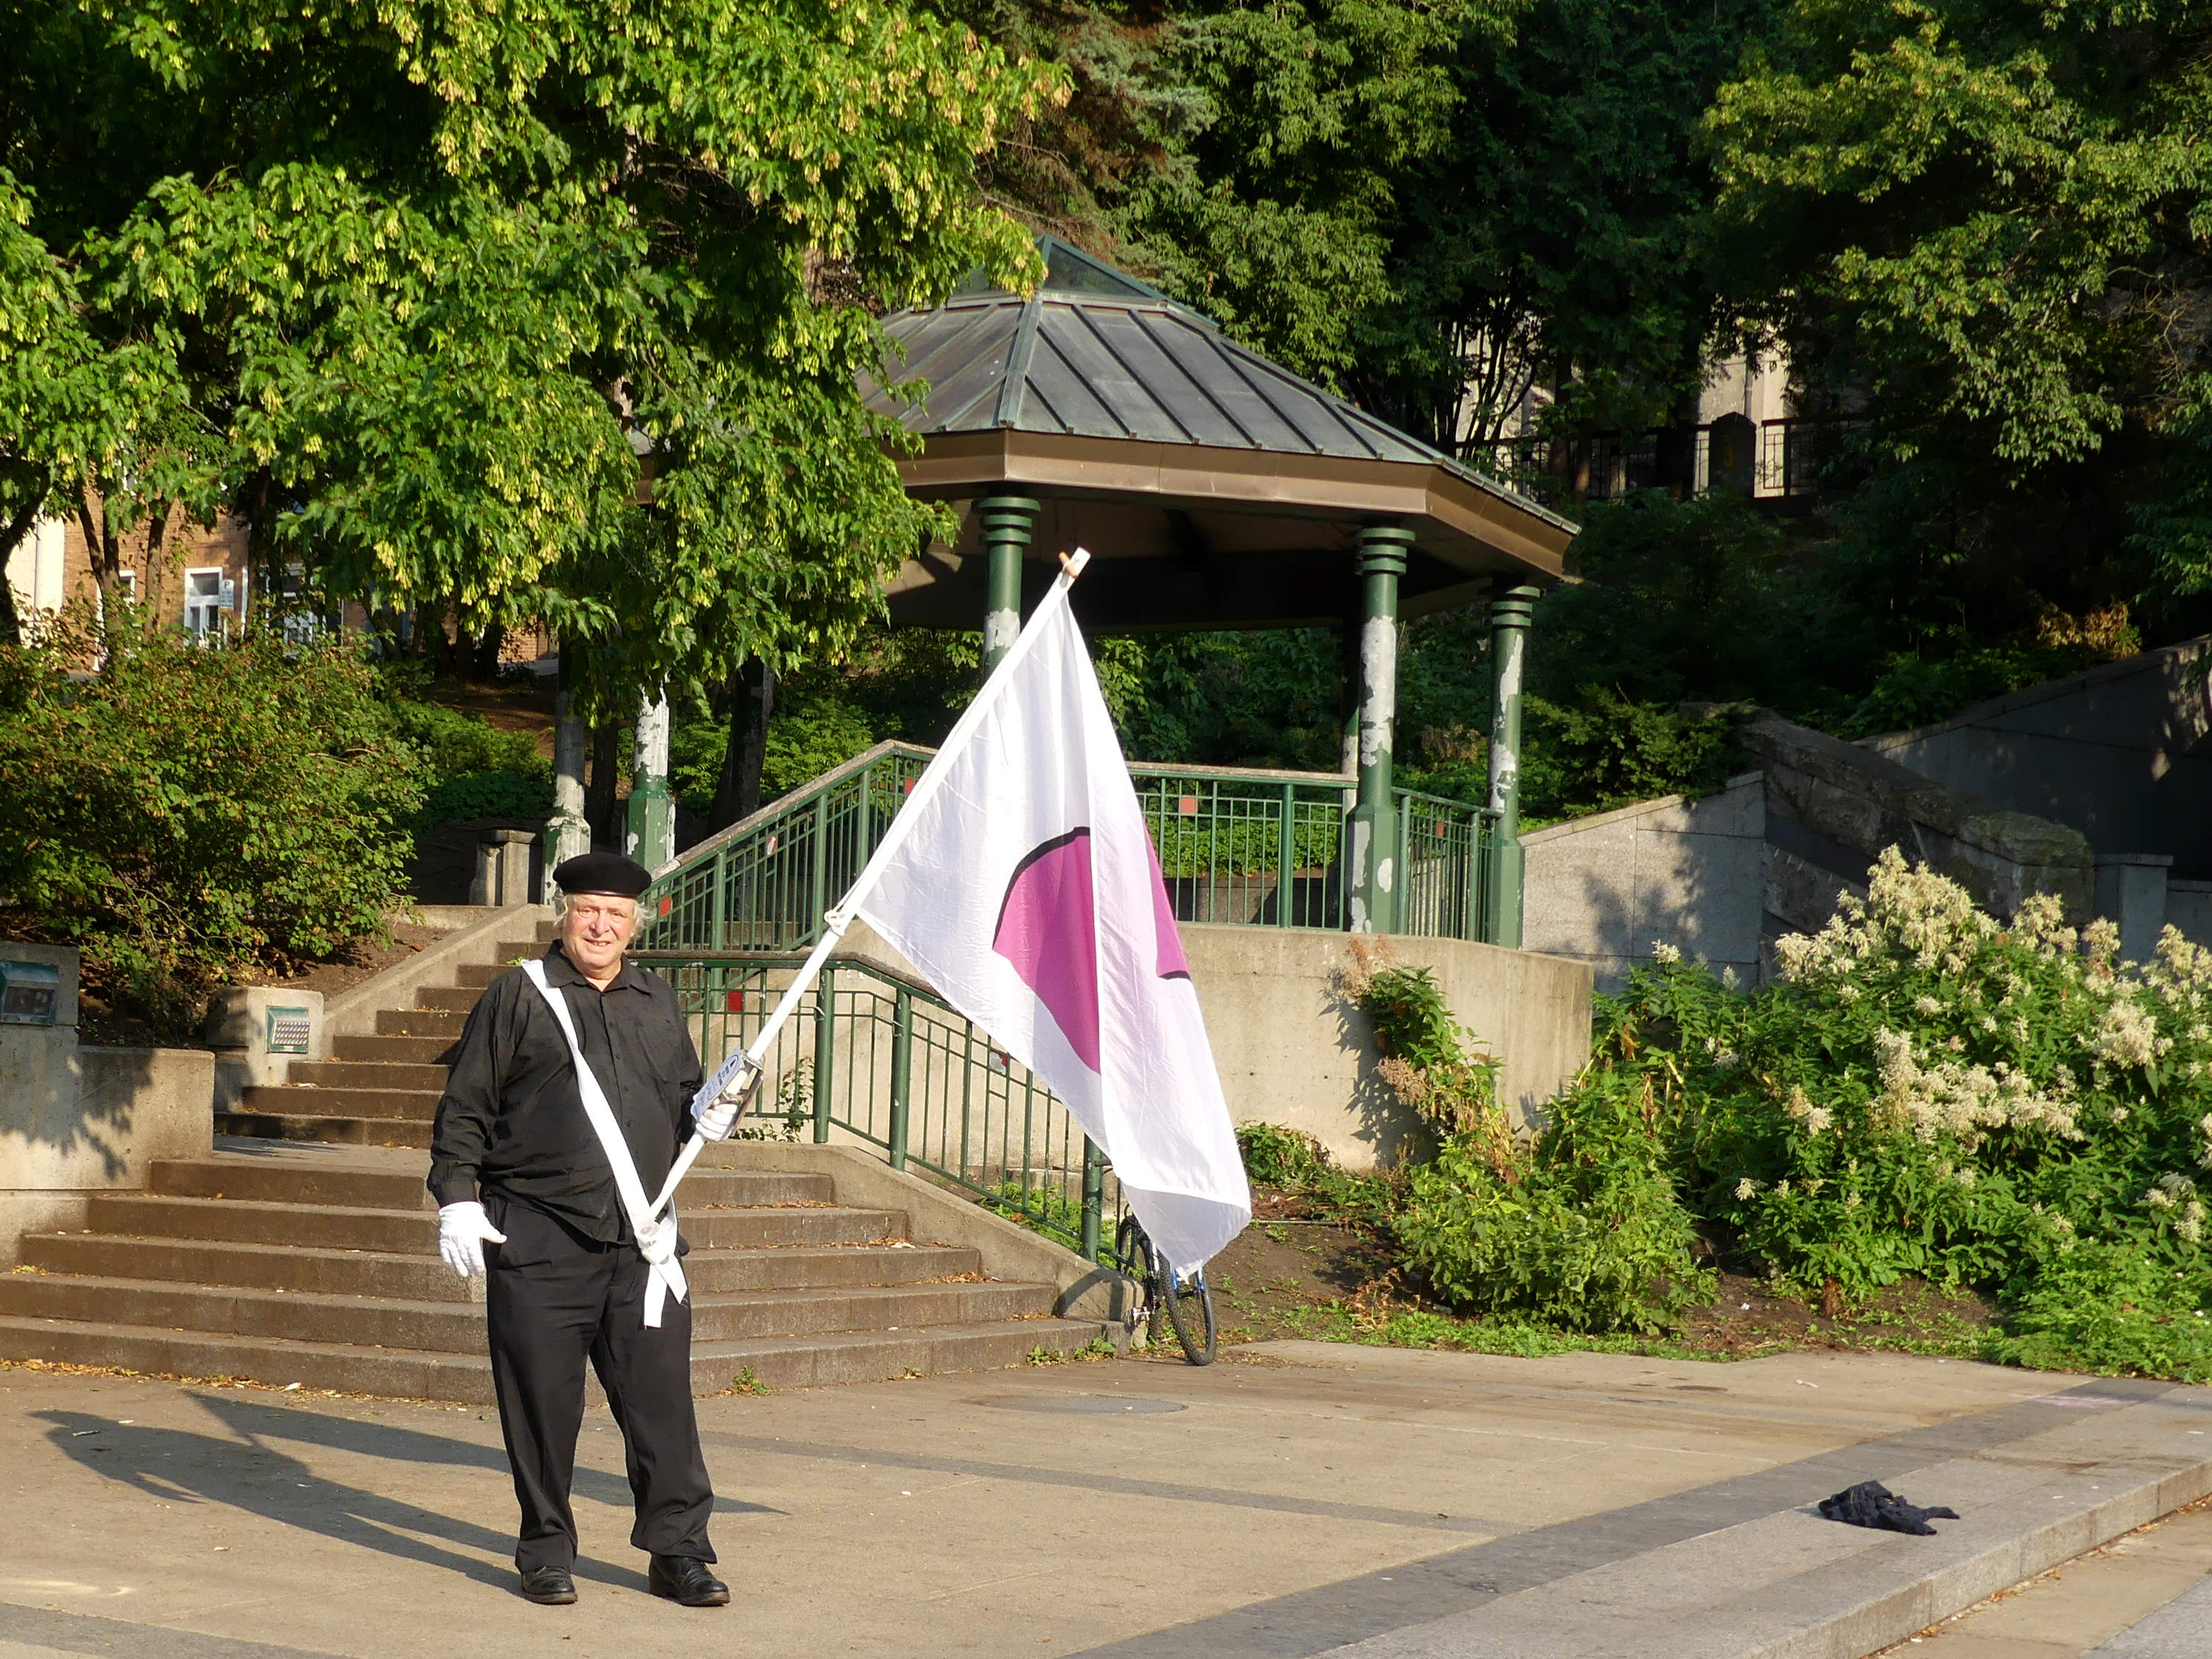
<point x="1293" y="1162"/>
<point x="486" y="795"/>
<point x="425" y="294"/>
<point x="1550" y="237"/>
<point x="1991" y="211"/>
<point x="190" y="812"/>
<point x="1583" y="1228"/>
<point x="1276" y="1156"/>
<point x="1602" y="751"/>
<point x="1926" y="1093"/>
<point x="453" y="742"/>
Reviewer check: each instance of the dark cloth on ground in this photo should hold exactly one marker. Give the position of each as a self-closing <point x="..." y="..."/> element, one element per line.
<point x="1870" y="1503"/>
<point x="554" y="1298"/>
<point x="511" y="1118"/>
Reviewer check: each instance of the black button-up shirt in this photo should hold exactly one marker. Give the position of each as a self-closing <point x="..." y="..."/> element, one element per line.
<point x="512" y="1119"/>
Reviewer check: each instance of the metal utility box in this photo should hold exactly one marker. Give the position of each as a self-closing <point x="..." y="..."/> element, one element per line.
<point x="30" y="993"/>
<point x="290" y="1030"/>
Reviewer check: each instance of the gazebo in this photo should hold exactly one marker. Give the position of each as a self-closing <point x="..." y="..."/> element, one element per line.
<point x="1215" y="489"/>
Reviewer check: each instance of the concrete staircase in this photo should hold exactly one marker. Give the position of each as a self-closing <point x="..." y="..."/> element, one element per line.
<point x="381" y="1089"/>
<point x="304" y="1249"/>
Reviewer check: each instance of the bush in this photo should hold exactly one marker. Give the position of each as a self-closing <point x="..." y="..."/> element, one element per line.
<point x="1925" y="1093"/>
<point x="454" y="743"/>
<point x="189" y="811"/>
<point x="486" y="795"/>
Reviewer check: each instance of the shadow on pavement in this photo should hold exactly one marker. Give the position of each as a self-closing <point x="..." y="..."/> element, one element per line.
<point x="247" y="1471"/>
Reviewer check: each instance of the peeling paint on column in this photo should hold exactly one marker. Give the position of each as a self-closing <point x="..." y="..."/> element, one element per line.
<point x="1378" y="705"/>
<point x="566" y="834"/>
<point x="1000" y="629"/>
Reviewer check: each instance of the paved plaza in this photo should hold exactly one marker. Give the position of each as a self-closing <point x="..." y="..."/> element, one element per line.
<point x="1297" y="1499"/>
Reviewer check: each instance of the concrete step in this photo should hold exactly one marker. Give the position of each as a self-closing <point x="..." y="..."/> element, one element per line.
<point x="452" y="997"/>
<point x="759" y="1229"/>
<point x="296" y="1183"/>
<point x="477" y="975"/>
<point x="346" y="1131"/>
<point x="406" y="1050"/>
<point x="288" y="1183"/>
<point x="420" y="1276"/>
<point x="447" y="1326"/>
<point x="402" y="1373"/>
<point x="414" y="1374"/>
<point x="343" y="1227"/>
<point x="876" y="1355"/>
<point x="247" y="1221"/>
<point x="420" y="1021"/>
<point x="366" y="1074"/>
<point x="306" y="1100"/>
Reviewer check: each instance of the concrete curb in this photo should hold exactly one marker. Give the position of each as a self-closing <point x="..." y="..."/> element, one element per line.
<point x="1791" y="1585"/>
<point x="1010" y="1250"/>
<point x="353" y="1013"/>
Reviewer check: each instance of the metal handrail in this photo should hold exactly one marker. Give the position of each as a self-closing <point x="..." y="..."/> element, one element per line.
<point x="1241" y="846"/>
<point x="877" y="1060"/>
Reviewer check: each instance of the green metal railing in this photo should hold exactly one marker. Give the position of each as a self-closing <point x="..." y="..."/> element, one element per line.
<point x="873" y="1058"/>
<point x="1237" y="845"/>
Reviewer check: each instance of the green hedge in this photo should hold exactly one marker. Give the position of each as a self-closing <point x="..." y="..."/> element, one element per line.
<point x="188" y="811"/>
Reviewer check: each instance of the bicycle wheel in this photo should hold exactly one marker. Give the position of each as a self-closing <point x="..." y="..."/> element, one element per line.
<point x="1189" y="1306"/>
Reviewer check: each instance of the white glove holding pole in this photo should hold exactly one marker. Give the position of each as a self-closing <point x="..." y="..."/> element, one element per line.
<point x="720" y="1120"/>
<point x="463" y="1231"/>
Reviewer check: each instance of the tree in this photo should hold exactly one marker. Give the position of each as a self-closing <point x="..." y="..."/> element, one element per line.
<point x="1247" y="158"/>
<point x="547" y="310"/>
<point x="1550" y="239"/>
<point x="1985" y="227"/>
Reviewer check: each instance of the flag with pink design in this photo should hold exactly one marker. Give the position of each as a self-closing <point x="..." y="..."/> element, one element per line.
<point x="1021" y="882"/>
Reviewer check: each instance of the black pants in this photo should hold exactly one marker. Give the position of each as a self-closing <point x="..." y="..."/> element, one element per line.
<point x="554" y="1297"/>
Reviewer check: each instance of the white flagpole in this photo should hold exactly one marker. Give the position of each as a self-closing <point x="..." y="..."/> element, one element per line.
<point x="839" y="916"/>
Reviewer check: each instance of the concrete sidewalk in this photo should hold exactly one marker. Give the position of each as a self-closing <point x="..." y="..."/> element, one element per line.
<point x="1303" y="1498"/>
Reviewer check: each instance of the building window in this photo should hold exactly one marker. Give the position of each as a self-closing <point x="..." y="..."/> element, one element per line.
<point x="208" y="598"/>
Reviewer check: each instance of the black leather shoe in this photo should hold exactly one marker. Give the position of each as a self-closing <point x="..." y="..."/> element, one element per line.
<point x="685" y="1580"/>
<point x="549" y="1586"/>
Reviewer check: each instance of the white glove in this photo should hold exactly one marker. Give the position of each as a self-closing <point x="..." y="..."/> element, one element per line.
<point x="719" y="1120"/>
<point x="463" y="1231"/>
<point x="657" y="1243"/>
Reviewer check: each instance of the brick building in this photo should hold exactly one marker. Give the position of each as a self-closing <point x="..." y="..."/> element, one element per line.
<point x="198" y="582"/>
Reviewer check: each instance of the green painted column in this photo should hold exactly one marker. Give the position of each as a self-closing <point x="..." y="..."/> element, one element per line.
<point x="650" y="836"/>
<point x="1372" y="883"/>
<point x="1008" y="522"/>
<point x="1511" y="608"/>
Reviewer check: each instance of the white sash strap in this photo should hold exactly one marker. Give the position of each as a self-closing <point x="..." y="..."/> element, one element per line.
<point x="656" y="1238"/>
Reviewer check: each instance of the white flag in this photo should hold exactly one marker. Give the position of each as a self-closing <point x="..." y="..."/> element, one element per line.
<point x="1022" y="883"/>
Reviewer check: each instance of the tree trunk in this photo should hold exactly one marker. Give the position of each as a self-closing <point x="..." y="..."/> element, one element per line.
<point x="599" y="792"/>
<point x="483" y="652"/>
<point x="752" y="705"/>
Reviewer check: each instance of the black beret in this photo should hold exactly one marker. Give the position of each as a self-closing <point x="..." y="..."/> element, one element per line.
<point x="603" y="873"/>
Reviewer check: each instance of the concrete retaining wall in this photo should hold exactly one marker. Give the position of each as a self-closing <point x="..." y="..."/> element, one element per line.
<point x="1291" y="1049"/>
<point x="75" y="1120"/>
<point x="2119" y="754"/>
<point x="1606" y="890"/>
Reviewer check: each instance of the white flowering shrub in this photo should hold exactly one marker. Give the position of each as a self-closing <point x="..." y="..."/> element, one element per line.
<point x="1928" y="1092"/>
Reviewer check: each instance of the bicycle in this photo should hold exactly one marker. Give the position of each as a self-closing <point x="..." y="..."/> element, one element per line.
<point x="1189" y="1304"/>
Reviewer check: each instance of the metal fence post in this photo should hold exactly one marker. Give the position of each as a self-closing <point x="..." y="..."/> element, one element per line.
<point x="901" y="1071"/>
<point x="1094" y="1198"/>
<point x="1287" y="853"/>
<point x="825" y="1048"/>
<point x="817" y="890"/>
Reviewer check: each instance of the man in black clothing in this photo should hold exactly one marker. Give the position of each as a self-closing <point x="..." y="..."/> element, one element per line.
<point x="517" y="1165"/>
